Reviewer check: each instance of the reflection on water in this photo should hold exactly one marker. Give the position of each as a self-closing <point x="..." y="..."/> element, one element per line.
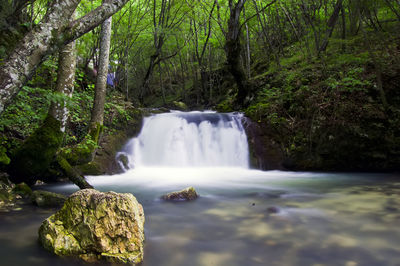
<point x="243" y="217"/>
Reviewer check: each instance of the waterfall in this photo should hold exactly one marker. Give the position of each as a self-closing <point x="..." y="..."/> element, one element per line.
<point x="189" y="139"/>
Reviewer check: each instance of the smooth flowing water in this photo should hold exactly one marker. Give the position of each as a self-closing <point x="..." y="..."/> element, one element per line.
<point x="189" y="140"/>
<point x="243" y="216"/>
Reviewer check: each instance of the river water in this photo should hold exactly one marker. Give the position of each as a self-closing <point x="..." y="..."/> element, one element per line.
<point x="243" y="216"/>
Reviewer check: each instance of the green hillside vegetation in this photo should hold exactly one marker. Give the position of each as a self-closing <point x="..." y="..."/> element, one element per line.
<point x="320" y="78"/>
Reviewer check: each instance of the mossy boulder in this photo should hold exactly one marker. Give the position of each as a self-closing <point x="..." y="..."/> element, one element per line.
<point x="180" y="105"/>
<point x="92" y="168"/>
<point x="186" y="194"/>
<point x="93" y="225"/>
<point x="123" y="160"/>
<point x="43" y="198"/>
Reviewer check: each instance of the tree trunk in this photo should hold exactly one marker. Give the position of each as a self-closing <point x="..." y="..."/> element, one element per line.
<point x="146" y="81"/>
<point x="248" y="55"/>
<point x="343" y="13"/>
<point x="101" y="80"/>
<point x="73" y="174"/>
<point x="331" y="26"/>
<point x="305" y="9"/>
<point x="53" y="31"/>
<point x="65" y="83"/>
<point x="233" y="51"/>
<point x="39" y="150"/>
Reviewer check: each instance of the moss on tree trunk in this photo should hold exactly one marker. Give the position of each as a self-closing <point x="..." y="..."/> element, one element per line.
<point x="36" y="154"/>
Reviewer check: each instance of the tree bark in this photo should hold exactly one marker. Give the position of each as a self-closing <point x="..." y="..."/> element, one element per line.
<point x="53" y="31"/>
<point x="101" y="80"/>
<point x="37" y="153"/>
<point x="248" y="55"/>
<point x="233" y="49"/>
<point x="65" y="83"/>
<point x="331" y="26"/>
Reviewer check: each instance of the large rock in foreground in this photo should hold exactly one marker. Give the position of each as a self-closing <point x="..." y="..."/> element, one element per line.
<point x="93" y="225"/>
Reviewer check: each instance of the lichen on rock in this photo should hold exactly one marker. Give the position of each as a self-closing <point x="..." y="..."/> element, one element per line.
<point x="186" y="194"/>
<point x="93" y="225"/>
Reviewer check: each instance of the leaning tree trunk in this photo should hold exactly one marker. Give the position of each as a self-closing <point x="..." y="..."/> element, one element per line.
<point x="331" y="26"/>
<point x="53" y="31"/>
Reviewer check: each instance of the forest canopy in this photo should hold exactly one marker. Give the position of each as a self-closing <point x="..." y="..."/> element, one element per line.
<point x="301" y="68"/>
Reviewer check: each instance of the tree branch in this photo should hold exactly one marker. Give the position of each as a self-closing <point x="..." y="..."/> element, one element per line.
<point x="251" y="17"/>
<point x="91" y="20"/>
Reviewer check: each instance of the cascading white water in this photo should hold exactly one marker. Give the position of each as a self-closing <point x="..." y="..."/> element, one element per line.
<point x="190" y="139"/>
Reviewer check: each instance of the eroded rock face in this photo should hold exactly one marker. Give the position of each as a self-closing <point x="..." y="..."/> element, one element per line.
<point x="93" y="225"/>
<point x="183" y="195"/>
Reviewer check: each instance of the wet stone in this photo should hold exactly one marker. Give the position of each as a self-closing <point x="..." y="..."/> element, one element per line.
<point x="186" y="194"/>
<point x="273" y="209"/>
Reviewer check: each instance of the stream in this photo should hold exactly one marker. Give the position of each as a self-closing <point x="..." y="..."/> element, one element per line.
<point x="243" y="216"/>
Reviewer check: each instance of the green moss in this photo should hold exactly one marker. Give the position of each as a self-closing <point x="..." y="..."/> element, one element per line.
<point x="126" y="258"/>
<point x="95" y="132"/>
<point x="180" y="105"/>
<point x="83" y="152"/>
<point x="22" y="189"/>
<point x="4" y="159"/>
<point x="225" y="106"/>
<point x="79" y="154"/>
<point x="6" y="195"/>
<point x="64" y="164"/>
<point x="47" y="199"/>
<point x="91" y="168"/>
<point x="37" y="152"/>
<point x="72" y="173"/>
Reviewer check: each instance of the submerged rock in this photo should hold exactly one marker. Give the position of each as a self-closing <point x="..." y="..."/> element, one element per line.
<point x="273" y="209"/>
<point x="93" y="225"/>
<point x="123" y="160"/>
<point x="183" y="195"/>
<point x="43" y="198"/>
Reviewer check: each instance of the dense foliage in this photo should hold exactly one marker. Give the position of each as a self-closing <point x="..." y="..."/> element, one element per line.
<point x="320" y="77"/>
